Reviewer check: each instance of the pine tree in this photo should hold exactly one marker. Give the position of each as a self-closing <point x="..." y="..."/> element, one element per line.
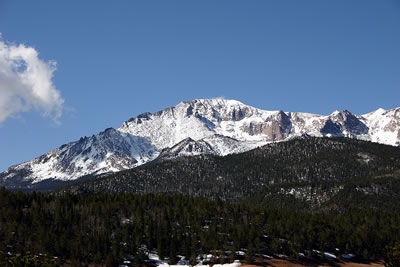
<point x="393" y="255"/>
<point x="172" y="252"/>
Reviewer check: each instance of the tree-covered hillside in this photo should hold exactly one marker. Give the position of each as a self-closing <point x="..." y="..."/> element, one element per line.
<point x="321" y="173"/>
<point x="299" y="198"/>
<point x="111" y="228"/>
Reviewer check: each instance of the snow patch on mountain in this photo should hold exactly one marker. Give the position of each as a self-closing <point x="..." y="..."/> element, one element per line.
<point x="384" y="126"/>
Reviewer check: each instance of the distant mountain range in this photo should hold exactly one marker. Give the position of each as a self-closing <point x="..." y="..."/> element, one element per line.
<point x="202" y="126"/>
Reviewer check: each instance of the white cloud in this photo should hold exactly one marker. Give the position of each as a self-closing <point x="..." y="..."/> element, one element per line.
<point x="26" y="82"/>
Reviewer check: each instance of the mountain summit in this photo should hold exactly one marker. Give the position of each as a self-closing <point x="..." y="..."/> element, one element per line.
<point x="201" y="126"/>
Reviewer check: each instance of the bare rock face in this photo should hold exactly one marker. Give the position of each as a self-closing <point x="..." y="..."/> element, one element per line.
<point x="285" y="126"/>
<point x="274" y="128"/>
<point x="274" y="132"/>
<point x="271" y="131"/>
<point x="238" y="114"/>
<point x="201" y="126"/>
<point x="331" y="128"/>
<point x="140" y="118"/>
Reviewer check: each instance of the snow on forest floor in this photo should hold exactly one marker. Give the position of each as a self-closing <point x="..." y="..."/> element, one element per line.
<point x="183" y="262"/>
<point x="281" y="260"/>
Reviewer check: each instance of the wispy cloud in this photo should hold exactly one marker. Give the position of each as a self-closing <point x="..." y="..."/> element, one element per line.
<point x="26" y="82"/>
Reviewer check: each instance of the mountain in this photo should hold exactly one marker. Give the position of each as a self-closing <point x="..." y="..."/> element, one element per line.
<point x="202" y="126"/>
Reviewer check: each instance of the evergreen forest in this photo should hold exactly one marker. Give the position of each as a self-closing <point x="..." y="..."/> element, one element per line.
<point x="113" y="228"/>
<point x="303" y="199"/>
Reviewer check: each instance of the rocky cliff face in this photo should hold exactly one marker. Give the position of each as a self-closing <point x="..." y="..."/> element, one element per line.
<point x="203" y="126"/>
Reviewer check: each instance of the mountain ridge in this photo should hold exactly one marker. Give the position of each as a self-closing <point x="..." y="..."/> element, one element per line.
<point x="221" y="127"/>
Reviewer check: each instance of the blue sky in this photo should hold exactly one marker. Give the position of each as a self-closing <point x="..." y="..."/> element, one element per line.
<point x="116" y="59"/>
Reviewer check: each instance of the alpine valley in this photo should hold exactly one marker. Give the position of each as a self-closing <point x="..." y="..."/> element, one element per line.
<point x="204" y="126"/>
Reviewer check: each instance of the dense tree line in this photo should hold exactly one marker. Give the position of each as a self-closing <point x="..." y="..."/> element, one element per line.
<point x="108" y="228"/>
<point x="317" y="173"/>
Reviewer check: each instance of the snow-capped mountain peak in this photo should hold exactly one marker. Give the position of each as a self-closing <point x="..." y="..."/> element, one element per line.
<point x="212" y="126"/>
